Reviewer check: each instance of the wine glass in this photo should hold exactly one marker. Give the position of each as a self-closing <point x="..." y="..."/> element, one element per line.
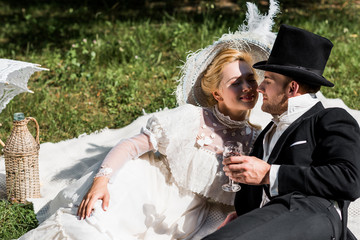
<point x="232" y="148"/>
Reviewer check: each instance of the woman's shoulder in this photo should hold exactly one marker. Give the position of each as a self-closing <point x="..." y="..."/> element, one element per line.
<point x="185" y="112"/>
<point x="189" y="107"/>
<point x="175" y="118"/>
<point x="178" y="109"/>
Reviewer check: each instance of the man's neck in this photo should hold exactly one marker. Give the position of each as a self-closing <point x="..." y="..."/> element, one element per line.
<point x="298" y="104"/>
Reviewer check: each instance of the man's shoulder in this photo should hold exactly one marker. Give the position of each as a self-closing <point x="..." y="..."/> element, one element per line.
<point x="335" y="114"/>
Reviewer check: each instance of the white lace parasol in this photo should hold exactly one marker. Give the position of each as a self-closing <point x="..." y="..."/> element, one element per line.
<point x="253" y="36"/>
<point x="14" y="76"/>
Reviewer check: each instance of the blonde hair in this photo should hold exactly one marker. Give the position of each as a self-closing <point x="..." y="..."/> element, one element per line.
<point x="211" y="79"/>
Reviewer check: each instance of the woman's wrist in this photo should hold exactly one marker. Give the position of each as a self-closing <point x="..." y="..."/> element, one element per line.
<point x="101" y="179"/>
<point x="104" y="172"/>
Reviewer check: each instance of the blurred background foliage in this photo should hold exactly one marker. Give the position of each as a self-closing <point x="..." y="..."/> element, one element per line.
<point x="109" y="60"/>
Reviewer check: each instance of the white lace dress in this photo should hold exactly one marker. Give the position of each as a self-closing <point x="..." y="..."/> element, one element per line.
<point x="172" y="191"/>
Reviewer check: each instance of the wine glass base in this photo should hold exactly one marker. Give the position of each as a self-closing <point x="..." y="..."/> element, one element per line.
<point x="231" y="188"/>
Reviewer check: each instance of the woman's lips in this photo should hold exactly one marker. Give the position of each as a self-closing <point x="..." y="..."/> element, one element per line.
<point x="248" y="98"/>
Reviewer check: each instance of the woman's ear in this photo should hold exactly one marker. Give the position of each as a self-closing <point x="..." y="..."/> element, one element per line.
<point x="217" y="96"/>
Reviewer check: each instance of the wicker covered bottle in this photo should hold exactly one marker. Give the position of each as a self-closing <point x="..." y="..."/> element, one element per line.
<point x="21" y="153"/>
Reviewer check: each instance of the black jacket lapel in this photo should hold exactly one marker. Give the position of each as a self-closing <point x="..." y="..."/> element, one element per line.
<point x="280" y="143"/>
<point x="258" y="149"/>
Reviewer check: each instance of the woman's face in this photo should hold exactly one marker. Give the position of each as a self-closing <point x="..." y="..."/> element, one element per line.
<point x="237" y="91"/>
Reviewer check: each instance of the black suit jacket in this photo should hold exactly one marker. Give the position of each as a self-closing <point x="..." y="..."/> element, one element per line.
<point x="319" y="155"/>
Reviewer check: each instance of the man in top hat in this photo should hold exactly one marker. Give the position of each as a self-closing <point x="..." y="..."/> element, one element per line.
<point x="305" y="165"/>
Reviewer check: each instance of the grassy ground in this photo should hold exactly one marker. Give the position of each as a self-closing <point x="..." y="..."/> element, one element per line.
<point x="15" y="219"/>
<point x="107" y="62"/>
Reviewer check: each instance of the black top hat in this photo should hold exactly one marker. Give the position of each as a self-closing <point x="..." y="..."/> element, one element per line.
<point x="299" y="54"/>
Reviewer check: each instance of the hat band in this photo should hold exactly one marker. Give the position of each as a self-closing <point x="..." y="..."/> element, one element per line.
<point x="316" y="71"/>
<point x="275" y="61"/>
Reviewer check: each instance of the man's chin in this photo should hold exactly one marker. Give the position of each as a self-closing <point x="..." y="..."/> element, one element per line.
<point x="273" y="110"/>
<point x="269" y="110"/>
<point x="265" y="109"/>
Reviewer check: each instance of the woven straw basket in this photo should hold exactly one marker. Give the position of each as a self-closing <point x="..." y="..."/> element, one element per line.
<point x="21" y="153"/>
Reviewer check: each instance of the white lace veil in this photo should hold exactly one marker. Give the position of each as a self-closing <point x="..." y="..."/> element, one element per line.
<point x="253" y="36"/>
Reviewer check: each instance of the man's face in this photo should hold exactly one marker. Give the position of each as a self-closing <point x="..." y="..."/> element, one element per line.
<point x="274" y="90"/>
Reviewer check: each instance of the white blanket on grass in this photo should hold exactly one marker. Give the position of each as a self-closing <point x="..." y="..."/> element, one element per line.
<point x="64" y="162"/>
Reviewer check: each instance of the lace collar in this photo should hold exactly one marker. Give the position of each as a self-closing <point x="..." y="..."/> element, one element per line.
<point x="227" y="121"/>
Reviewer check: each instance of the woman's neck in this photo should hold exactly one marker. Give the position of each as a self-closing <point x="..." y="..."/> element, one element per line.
<point x="234" y="115"/>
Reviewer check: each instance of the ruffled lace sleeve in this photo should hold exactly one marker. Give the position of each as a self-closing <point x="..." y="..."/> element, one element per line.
<point x="173" y="133"/>
<point x="153" y="137"/>
<point x="125" y="150"/>
<point x="156" y="134"/>
<point x="172" y="128"/>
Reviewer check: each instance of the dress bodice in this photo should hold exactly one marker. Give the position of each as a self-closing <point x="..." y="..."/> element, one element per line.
<point x="216" y="128"/>
<point x="191" y="140"/>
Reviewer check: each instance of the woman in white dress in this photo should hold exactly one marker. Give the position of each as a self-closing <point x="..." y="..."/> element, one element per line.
<point x="165" y="182"/>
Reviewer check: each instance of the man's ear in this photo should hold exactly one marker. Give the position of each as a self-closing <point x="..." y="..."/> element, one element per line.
<point x="293" y="89"/>
<point x="217" y="96"/>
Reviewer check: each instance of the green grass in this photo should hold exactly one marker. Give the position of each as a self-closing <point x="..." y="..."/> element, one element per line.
<point x="105" y="68"/>
<point x="107" y="63"/>
<point x="15" y="219"/>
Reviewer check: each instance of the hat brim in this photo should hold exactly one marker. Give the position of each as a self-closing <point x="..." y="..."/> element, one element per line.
<point x="299" y="74"/>
<point x="190" y="91"/>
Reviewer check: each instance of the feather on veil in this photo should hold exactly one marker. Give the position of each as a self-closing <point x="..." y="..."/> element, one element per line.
<point x="253" y="36"/>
